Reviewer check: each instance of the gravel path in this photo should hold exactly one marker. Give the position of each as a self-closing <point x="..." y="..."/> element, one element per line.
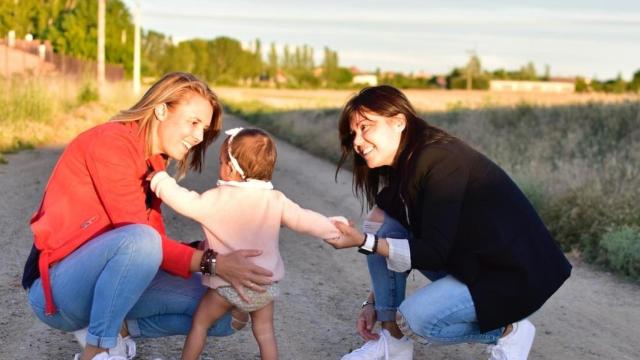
<point x="593" y="316"/>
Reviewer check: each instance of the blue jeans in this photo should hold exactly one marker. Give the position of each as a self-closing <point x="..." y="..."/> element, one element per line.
<point x="440" y="313"/>
<point x="114" y="278"/>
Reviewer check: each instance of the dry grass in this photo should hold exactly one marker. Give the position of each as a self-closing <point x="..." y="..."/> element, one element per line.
<point x="51" y="111"/>
<point x="423" y="100"/>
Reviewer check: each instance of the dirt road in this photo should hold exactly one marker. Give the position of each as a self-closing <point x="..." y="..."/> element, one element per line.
<point x="593" y="316"/>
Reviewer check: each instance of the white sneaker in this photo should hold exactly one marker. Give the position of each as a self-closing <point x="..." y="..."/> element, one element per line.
<point x="101" y="356"/>
<point x="385" y="348"/>
<point x="125" y="347"/>
<point x="516" y="345"/>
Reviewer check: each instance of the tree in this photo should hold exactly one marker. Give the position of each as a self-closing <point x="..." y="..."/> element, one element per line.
<point x="528" y="72"/>
<point x="547" y="73"/>
<point x="74" y="32"/>
<point x="71" y="26"/>
<point x="634" y="84"/>
<point x="154" y="48"/>
<point x="616" y="86"/>
<point x="286" y="61"/>
<point x="581" y="85"/>
<point x="273" y="61"/>
<point x="330" y="66"/>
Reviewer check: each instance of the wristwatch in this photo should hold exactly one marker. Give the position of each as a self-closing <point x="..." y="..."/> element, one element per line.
<point x="369" y="244"/>
<point x="367" y="302"/>
<point x="208" y="262"/>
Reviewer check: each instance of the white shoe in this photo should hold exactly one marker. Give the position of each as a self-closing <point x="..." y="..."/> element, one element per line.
<point x="516" y="345"/>
<point x="125" y="347"/>
<point x="101" y="356"/>
<point x="385" y="348"/>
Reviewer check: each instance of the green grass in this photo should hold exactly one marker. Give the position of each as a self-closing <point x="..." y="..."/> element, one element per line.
<point x="24" y="102"/>
<point x="578" y="164"/>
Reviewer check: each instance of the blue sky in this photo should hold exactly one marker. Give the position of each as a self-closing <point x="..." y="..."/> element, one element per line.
<point x="591" y="38"/>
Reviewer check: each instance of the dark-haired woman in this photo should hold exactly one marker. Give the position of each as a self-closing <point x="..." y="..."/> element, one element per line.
<point x="454" y="215"/>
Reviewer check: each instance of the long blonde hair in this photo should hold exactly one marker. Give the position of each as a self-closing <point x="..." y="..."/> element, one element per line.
<point x="171" y="90"/>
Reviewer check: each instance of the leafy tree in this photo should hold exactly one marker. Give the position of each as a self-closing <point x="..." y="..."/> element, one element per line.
<point x="71" y="26"/>
<point x="330" y="66"/>
<point x="154" y="47"/>
<point x="634" y="84"/>
<point x="272" y="65"/>
<point x="547" y="73"/>
<point x="581" y="85"/>
<point x="528" y="72"/>
<point x="75" y="32"/>
<point x="618" y="85"/>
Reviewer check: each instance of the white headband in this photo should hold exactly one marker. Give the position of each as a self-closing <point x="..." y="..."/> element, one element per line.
<point x="234" y="163"/>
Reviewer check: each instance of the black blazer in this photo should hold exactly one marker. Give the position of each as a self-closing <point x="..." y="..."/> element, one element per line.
<point x="469" y="218"/>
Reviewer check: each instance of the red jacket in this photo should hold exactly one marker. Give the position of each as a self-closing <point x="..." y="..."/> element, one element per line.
<point x="99" y="184"/>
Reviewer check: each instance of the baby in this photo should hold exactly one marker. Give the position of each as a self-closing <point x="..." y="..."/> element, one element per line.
<point x="242" y="212"/>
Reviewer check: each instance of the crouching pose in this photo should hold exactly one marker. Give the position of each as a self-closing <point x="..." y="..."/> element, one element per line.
<point x="444" y="209"/>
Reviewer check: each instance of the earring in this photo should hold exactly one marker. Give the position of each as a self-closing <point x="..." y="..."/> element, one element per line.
<point x="160" y="111"/>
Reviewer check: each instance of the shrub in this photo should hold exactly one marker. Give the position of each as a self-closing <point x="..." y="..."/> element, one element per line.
<point x="621" y="250"/>
<point x="88" y="93"/>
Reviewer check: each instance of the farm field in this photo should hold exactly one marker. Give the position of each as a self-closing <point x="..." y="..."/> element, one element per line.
<point x="423" y="100"/>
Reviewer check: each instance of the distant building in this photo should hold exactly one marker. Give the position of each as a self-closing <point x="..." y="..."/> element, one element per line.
<point x="365" y="79"/>
<point x="563" y="86"/>
<point x="420" y="75"/>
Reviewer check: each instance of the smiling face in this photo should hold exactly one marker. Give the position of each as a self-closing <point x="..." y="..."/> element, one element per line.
<point x="181" y="127"/>
<point x="376" y="138"/>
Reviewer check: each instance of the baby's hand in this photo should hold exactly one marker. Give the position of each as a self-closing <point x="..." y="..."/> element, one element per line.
<point x="335" y="220"/>
<point x="339" y="219"/>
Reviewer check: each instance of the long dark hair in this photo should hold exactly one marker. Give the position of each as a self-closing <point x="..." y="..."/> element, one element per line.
<point x="386" y="101"/>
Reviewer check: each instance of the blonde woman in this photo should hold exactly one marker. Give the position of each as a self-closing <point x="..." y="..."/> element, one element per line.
<point x="101" y="259"/>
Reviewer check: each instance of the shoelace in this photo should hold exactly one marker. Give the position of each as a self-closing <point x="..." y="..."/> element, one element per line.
<point x="382" y="340"/>
<point x="497" y="352"/>
<point x="130" y="347"/>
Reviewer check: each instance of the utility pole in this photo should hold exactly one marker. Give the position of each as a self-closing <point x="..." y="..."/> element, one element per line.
<point x="101" y="33"/>
<point x="136" y="51"/>
<point x="471" y="53"/>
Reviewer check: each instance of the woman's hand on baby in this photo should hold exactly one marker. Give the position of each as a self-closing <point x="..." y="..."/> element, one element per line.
<point x="350" y="237"/>
<point x="240" y="272"/>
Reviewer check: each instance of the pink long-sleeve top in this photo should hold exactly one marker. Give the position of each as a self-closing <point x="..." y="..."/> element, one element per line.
<point x="235" y="218"/>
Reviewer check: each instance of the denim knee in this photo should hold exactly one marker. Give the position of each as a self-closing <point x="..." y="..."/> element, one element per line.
<point x="412" y="321"/>
<point x="144" y="244"/>
<point x="392" y="228"/>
